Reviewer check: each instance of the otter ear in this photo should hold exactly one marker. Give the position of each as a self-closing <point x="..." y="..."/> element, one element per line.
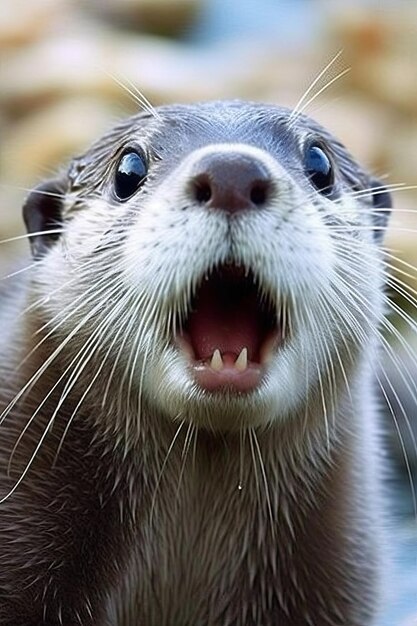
<point x="382" y="202"/>
<point x="42" y="213"/>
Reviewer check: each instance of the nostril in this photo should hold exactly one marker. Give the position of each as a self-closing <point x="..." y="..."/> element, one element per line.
<point x="259" y="193"/>
<point x="202" y="191"/>
<point x="230" y="182"/>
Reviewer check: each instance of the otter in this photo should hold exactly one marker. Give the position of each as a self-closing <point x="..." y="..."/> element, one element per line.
<point x="188" y="429"/>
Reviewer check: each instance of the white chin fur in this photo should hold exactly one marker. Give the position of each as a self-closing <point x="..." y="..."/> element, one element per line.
<point x="171" y="384"/>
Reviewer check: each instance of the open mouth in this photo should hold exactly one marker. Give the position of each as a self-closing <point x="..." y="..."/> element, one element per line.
<point x="232" y="331"/>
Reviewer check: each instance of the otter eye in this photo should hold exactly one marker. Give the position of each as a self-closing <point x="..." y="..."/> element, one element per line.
<point x="130" y="174"/>
<point x="319" y="169"/>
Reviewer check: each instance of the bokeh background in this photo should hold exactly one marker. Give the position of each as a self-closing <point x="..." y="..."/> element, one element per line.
<point x="69" y="69"/>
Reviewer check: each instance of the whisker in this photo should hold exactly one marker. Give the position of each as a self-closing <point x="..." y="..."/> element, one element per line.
<point x="309" y="89"/>
<point x="134" y="92"/>
<point x="91" y="294"/>
<point x="48" y="395"/>
<point x="402" y="444"/>
<point x="320" y="380"/>
<point x="255" y="466"/>
<point x="264" y="479"/>
<point x="242" y="438"/>
<point x="317" y="94"/>
<point x="391" y="354"/>
<point x="158" y="480"/>
<point x="94" y="378"/>
<point x="52" y="231"/>
<point x="17" y="272"/>
<point x="184" y="454"/>
<point x="50" y="360"/>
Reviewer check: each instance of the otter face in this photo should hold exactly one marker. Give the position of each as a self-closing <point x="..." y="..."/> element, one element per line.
<point x="217" y="259"/>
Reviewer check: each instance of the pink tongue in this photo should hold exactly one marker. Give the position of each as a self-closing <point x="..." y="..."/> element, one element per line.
<point x="224" y="321"/>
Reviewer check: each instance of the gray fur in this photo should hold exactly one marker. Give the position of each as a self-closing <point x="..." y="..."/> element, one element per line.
<point x="153" y="508"/>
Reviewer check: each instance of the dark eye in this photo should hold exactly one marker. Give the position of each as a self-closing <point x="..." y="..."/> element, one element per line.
<point x="319" y="169"/>
<point x="130" y="174"/>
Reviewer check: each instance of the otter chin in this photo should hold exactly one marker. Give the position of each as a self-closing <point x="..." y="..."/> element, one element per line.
<point x="188" y="432"/>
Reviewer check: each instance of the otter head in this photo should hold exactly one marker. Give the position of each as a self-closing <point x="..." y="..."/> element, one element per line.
<point x="216" y="261"/>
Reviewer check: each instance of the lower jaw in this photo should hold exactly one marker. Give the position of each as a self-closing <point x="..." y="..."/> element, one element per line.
<point x="228" y="408"/>
<point x="229" y="379"/>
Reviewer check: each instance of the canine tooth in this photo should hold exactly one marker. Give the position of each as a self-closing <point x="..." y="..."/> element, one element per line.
<point x="216" y="362"/>
<point x="241" y="362"/>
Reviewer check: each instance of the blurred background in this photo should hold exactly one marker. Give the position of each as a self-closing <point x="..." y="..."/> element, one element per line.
<point x="68" y="69"/>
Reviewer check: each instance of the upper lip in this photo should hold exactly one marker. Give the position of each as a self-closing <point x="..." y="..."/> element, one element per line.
<point x="231" y="328"/>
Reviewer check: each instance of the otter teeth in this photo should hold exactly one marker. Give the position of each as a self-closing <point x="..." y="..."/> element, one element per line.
<point x="241" y="362"/>
<point x="216" y="362"/>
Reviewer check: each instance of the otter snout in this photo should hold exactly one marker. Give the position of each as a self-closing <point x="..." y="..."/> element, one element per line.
<point x="230" y="181"/>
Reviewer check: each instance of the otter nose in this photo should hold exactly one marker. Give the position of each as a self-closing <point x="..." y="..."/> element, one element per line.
<point x="230" y="182"/>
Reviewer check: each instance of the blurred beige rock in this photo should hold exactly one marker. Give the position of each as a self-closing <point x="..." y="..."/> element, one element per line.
<point x="94" y="62"/>
<point x="401" y="153"/>
<point x="24" y="21"/>
<point x="379" y="46"/>
<point x="36" y="146"/>
<point x="164" y="17"/>
<point x="390" y="80"/>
